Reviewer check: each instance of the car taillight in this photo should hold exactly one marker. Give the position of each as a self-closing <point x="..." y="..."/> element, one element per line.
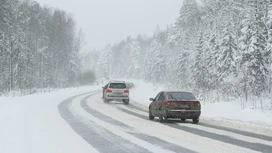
<point x="126" y="91"/>
<point x="168" y="103"/>
<point x="198" y="104"/>
<point x="108" y="90"/>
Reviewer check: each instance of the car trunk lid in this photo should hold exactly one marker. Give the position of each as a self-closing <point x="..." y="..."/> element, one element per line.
<point x="183" y="105"/>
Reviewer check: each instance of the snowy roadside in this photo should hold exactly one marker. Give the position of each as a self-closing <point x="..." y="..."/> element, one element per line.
<point x="32" y="124"/>
<point x="218" y="111"/>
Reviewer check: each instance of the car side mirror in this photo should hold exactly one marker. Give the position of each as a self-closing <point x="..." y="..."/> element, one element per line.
<point x="151" y="99"/>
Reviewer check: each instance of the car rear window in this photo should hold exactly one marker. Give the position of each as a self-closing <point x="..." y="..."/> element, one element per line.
<point x="181" y="96"/>
<point x="118" y="85"/>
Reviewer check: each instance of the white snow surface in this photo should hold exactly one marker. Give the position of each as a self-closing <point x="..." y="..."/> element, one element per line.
<point x="32" y="124"/>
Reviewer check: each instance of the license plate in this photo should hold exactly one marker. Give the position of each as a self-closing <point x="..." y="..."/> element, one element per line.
<point x="117" y="93"/>
<point x="184" y="106"/>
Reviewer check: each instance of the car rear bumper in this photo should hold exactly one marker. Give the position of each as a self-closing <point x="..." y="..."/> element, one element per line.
<point x="188" y="114"/>
<point x="116" y="98"/>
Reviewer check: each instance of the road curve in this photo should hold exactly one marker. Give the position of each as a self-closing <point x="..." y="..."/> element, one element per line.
<point x="117" y="128"/>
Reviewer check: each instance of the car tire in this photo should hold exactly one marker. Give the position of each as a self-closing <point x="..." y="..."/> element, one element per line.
<point x="104" y="95"/>
<point x="161" y="118"/>
<point x="195" y="121"/>
<point x="150" y="115"/>
<point x="106" y="101"/>
<point x="126" y="101"/>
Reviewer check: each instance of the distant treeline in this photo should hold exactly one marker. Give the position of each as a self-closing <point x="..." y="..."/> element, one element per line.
<point x="39" y="47"/>
<point x="218" y="45"/>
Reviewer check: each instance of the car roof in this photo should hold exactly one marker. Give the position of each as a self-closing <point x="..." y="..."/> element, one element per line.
<point x="116" y="81"/>
<point x="178" y="91"/>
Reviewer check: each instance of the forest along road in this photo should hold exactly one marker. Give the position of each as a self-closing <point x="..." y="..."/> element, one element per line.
<point x="118" y="128"/>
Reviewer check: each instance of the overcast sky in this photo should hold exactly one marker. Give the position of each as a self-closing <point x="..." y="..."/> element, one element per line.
<point x="110" y="21"/>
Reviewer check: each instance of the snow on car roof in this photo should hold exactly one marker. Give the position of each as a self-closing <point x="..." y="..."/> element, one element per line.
<point x="116" y="81"/>
<point x="177" y="91"/>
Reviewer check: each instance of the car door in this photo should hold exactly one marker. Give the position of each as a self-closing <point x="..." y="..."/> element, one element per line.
<point x="153" y="105"/>
<point x="157" y="103"/>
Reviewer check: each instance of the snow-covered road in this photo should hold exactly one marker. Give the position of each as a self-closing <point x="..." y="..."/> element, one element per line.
<point x="77" y="120"/>
<point x="114" y="127"/>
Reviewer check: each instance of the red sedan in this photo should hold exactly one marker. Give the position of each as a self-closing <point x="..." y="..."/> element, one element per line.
<point x="175" y="104"/>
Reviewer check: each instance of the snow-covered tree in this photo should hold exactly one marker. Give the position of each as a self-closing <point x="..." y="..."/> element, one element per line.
<point x="158" y="64"/>
<point x="135" y="67"/>
<point x="226" y="62"/>
<point x="37" y="46"/>
<point x="213" y="46"/>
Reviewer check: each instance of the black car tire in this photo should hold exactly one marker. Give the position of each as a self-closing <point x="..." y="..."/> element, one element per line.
<point x="183" y="119"/>
<point x="165" y="119"/>
<point x="161" y="118"/>
<point x="106" y="101"/>
<point x="103" y="94"/>
<point x="196" y="120"/>
<point x="150" y="115"/>
<point x="126" y="101"/>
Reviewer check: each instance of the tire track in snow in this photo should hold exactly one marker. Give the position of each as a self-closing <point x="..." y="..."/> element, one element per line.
<point x="226" y="139"/>
<point x="77" y="109"/>
<point x="101" y="139"/>
<point x="136" y="107"/>
<point x="131" y="130"/>
<point x="244" y="133"/>
<point x="172" y="135"/>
